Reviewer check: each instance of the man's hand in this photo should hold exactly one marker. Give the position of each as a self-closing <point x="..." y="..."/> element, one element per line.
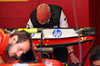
<point x="74" y="58"/>
<point x="10" y="60"/>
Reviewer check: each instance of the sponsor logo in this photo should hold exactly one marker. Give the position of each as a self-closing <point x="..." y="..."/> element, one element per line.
<point x="57" y="33"/>
<point x="32" y="35"/>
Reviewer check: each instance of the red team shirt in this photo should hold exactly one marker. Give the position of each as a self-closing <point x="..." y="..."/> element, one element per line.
<point x="4" y="38"/>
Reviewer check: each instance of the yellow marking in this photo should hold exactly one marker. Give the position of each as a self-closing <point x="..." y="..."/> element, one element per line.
<point x="80" y="34"/>
<point x="84" y="38"/>
<point x="47" y="40"/>
<point x="81" y="41"/>
<point x="36" y="44"/>
<point x="38" y="40"/>
<point x="80" y="28"/>
<point x="5" y="29"/>
<point x="39" y="37"/>
<point x="47" y="37"/>
<point x="47" y="28"/>
<point x="46" y="44"/>
<point x="66" y="64"/>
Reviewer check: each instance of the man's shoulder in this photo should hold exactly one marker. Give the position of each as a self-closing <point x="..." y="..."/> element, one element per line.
<point x="33" y="13"/>
<point x="54" y="6"/>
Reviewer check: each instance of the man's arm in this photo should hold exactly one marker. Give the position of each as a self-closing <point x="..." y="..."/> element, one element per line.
<point x="1" y="61"/>
<point x="64" y="24"/>
<point x="29" y="24"/>
<point x="63" y="21"/>
<point x="72" y="54"/>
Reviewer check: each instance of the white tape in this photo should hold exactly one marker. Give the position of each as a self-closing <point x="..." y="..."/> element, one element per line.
<point x="20" y="64"/>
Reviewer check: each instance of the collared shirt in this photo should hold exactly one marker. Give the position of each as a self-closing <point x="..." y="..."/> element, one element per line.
<point x="63" y="21"/>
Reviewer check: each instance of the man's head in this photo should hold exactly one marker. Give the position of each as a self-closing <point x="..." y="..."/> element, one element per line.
<point x="95" y="56"/>
<point x="43" y="13"/>
<point x="19" y="43"/>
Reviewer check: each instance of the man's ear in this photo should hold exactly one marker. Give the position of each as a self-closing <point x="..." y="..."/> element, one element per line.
<point x="14" y="39"/>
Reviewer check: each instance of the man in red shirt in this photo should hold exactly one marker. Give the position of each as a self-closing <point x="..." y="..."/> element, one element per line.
<point x="13" y="45"/>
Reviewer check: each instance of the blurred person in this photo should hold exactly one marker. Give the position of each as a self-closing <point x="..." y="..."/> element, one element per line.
<point x="95" y="56"/>
<point x="13" y="45"/>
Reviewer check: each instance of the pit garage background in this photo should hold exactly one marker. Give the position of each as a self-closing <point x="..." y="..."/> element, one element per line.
<point x="79" y="13"/>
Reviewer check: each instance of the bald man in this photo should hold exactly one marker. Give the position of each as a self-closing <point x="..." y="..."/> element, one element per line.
<point x="52" y="16"/>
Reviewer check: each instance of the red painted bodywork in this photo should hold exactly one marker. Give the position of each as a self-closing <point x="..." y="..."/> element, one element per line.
<point x="64" y="40"/>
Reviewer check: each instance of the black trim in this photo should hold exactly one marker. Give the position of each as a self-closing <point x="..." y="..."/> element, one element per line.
<point x="29" y="57"/>
<point x="71" y="64"/>
<point x="90" y="48"/>
<point x="64" y="44"/>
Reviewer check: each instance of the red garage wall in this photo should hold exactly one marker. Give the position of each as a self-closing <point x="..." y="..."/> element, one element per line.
<point x="16" y="15"/>
<point x="94" y="18"/>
